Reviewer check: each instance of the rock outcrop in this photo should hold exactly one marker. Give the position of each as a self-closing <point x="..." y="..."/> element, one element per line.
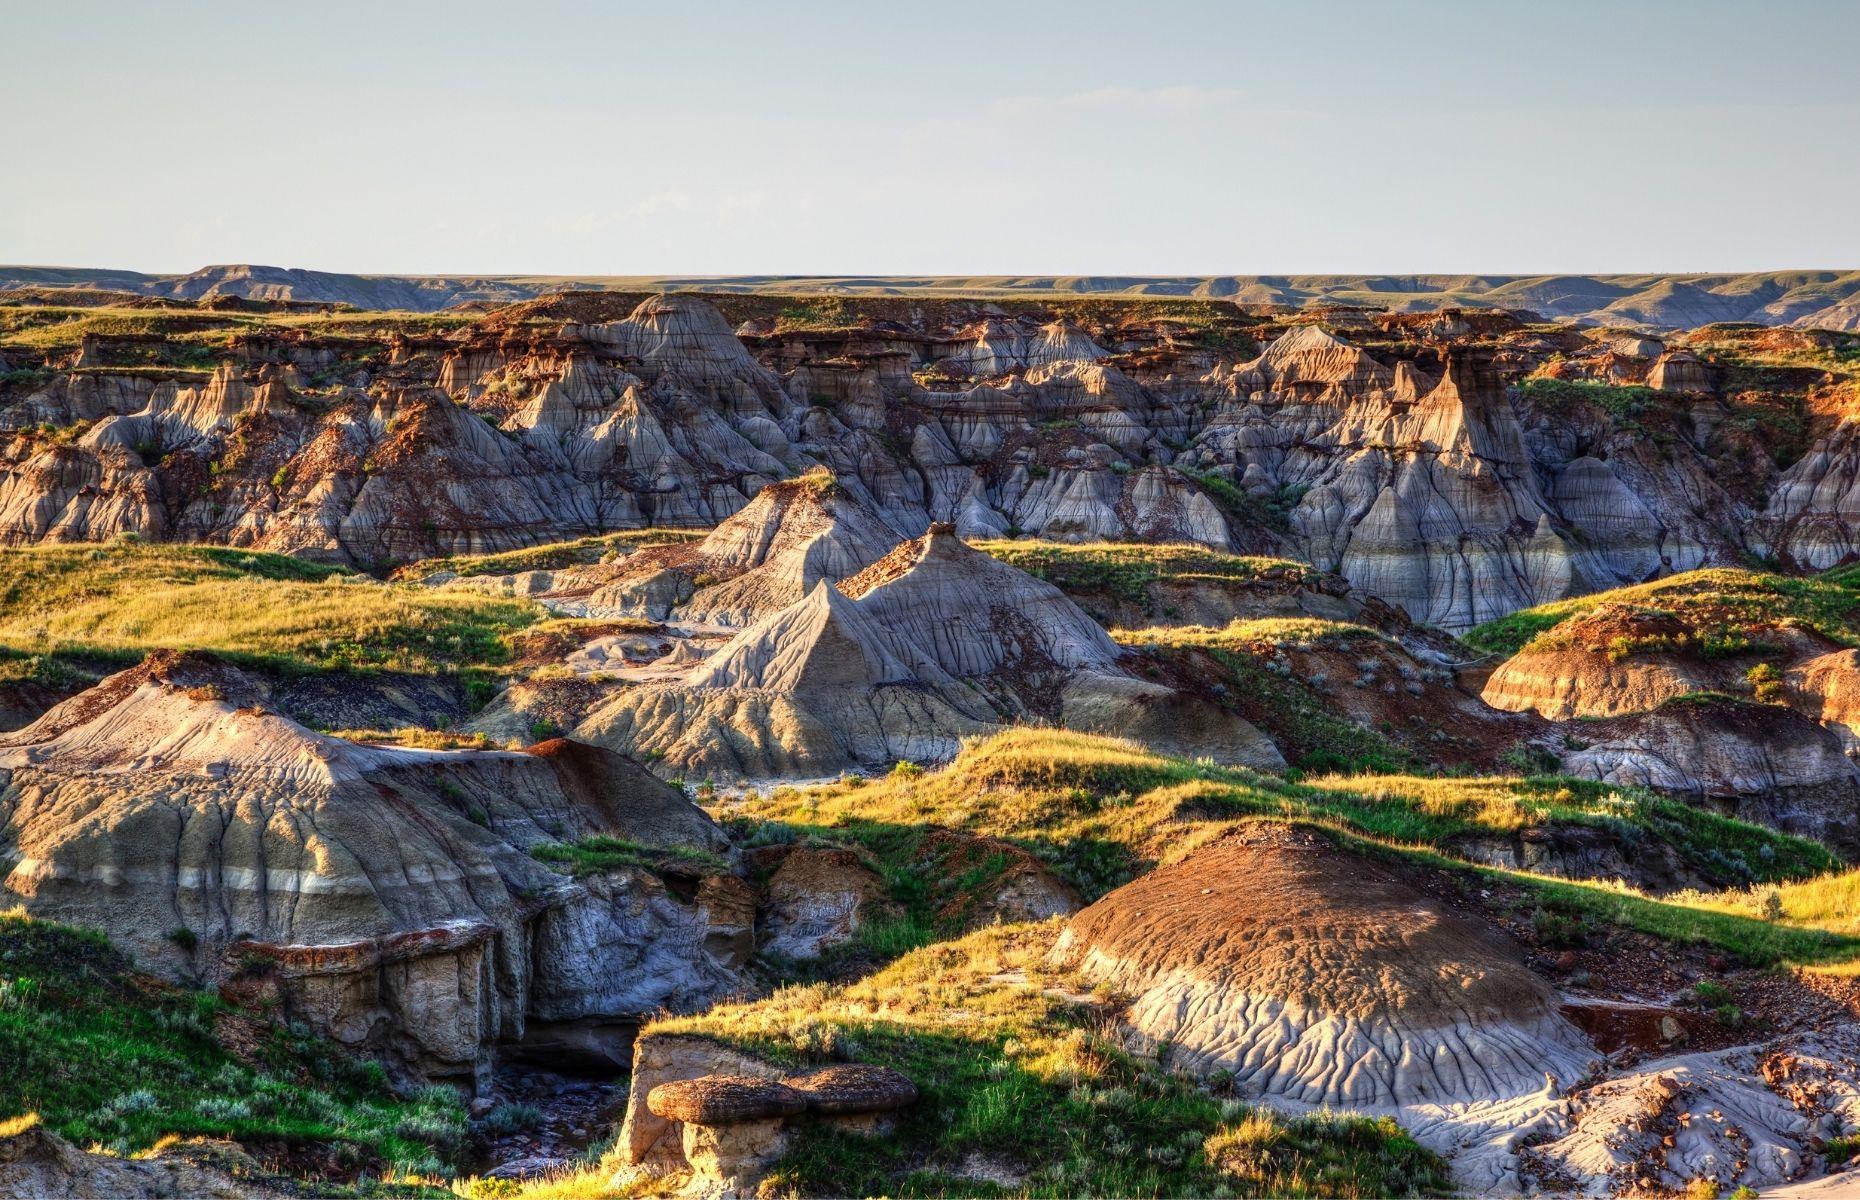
<point x="930" y="644"/>
<point x="385" y="896"/>
<point x="1608" y="662"/>
<point x="1395" y="455"/>
<point x="1320" y="979"/>
<point x="766" y="557"/>
<point x="1755" y="1116"/>
<point x="705" y="1119"/>
<point x="1760" y="762"/>
<point x="37" y="1164"/>
<point x="1433" y="494"/>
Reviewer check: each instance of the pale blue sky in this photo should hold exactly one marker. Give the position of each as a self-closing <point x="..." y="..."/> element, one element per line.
<point x="1024" y="137"/>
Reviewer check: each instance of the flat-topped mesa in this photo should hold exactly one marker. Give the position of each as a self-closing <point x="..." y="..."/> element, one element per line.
<point x="1680" y="371"/>
<point x="1319" y="978"/>
<point x="389" y="895"/>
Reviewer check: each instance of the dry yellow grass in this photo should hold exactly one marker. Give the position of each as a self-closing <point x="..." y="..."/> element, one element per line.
<point x="125" y="599"/>
<point x="1302" y="632"/>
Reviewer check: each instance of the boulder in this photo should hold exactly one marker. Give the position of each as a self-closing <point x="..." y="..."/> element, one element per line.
<point x="729" y="1128"/>
<point x="36" y="1163"/>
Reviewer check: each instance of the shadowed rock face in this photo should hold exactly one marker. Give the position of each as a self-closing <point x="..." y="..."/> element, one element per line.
<point x="386" y="895"/>
<point x="1760" y="762"/>
<point x="1317" y="978"/>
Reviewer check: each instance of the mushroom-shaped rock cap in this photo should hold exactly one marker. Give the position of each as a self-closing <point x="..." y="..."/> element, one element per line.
<point x="724" y="1100"/>
<point x="855" y="1088"/>
<point x="1324" y="977"/>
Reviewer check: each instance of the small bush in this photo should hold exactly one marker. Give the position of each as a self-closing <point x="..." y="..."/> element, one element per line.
<point x="506" y="1119"/>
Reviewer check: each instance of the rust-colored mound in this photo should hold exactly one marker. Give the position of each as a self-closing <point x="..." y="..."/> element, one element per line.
<point x="1316" y="977"/>
<point x="1604" y="663"/>
<point x="1284" y="913"/>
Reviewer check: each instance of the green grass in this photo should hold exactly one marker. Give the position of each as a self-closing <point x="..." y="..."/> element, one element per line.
<point x="1270" y="512"/>
<point x="1624" y="402"/>
<point x="1125" y="570"/>
<point x="593" y="855"/>
<point x="1302" y="720"/>
<point x="1243" y="634"/>
<point x="933" y="885"/>
<point x="551" y="556"/>
<point x="1720" y="602"/>
<point x="119" y="601"/>
<point x="1684" y="919"/>
<point x="1039" y="1083"/>
<point x="105" y="1056"/>
<point x="1099" y="811"/>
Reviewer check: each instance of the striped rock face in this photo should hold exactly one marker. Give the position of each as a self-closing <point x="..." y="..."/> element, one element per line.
<point x="932" y="643"/>
<point x="387" y="894"/>
<point x="1318" y="979"/>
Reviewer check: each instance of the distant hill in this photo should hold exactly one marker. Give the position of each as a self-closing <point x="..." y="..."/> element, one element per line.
<point x="1823" y="299"/>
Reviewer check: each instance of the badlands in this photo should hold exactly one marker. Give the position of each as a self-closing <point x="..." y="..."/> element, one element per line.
<point x="1202" y="738"/>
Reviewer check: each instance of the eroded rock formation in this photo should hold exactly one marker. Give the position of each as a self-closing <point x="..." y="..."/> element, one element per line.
<point x="1319" y="979"/>
<point x="1406" y="462"/>
<point x="385" y="896"/>
<point x="934" y="642"/>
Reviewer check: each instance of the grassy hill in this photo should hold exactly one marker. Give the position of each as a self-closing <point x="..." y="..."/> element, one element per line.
<point x="1100" y="811"/>
<point x="118" y="601"/>
<point x="1724" y="602"/>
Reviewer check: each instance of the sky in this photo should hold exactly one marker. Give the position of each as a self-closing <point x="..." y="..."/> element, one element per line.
<point x="1146" y="138"/>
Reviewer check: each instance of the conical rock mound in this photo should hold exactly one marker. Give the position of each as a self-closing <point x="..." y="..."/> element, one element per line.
<point x="934" y="642"/>
<point x="767" y="556"/>
<point x="1320" y="978"/>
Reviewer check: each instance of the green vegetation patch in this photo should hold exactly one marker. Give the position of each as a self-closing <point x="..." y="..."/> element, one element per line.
<point x="550" y="556"/>
<point x="1099" y="810"/>
<point x="1624" y="402"/>
<point x="1269" y="512"/>
<point x="1687" y="918"/>
<point x="593" y="855"/>
<point x="1723" y="604"/>
<point x="1127" y="569"/>
<point x="1035" y="1083"/>
<point x="120" y="601"/>
<point x="106" y="1056"/>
